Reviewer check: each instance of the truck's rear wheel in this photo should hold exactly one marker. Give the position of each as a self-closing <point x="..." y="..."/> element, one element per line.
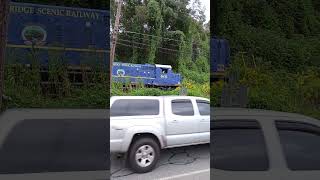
<point x="143" y="155"/>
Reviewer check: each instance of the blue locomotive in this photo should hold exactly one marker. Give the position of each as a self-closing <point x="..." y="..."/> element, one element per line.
<point x="220" y="58"/>
<point x="73" y="32"/>
<point x="160" y="76"/>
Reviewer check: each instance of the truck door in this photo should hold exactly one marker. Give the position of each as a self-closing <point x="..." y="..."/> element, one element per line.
<point x="203" y="120"/>
<point x="181" y="126"/>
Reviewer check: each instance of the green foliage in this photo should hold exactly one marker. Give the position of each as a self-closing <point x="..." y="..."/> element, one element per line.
<point x="85" y="97"/>
<point x="155" y="24"/>
<point x="22" y="95"/>
<point x="167" y="32"/>
<point x="193" y="89"/>
<point x="275" y="48"/>
<point x="23" y="84"/>
<point x="215" y="93"/>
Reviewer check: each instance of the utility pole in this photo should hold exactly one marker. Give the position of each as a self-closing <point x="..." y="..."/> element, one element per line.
<point x="4" y="13"/>
<point x="115" y="36"/>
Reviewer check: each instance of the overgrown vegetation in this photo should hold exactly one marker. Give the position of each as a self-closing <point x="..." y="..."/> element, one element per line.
<point x="275" y="51"/>
<point x="24" y="87"/>
<point x="84" y="97"/>
<point x="37" y="87"/>
<point x="166" y="32"/>
<point x="192" y="90"/>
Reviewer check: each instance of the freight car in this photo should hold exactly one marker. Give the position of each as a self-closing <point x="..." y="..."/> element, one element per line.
<point x="159" y="76"/>
<point x="220" y="58"/>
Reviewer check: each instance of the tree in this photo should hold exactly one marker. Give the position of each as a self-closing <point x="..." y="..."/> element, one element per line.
<point x="160" y="23"/>
<point x="278" y="41"/>
<point x="198" y="11"/>
<point x="154" y="27"/>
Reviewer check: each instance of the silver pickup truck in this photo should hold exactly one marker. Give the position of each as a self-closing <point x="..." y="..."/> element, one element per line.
<point x="142" y="125"/>
<point x="264" y="145"/>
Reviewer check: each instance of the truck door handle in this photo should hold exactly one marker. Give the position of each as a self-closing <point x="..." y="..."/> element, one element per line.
<point x="116" y="128"/>
<point x="175" y="121"/>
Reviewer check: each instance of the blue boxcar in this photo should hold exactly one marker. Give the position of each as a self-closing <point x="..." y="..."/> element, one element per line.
<point x="220" y="55"/>
<point x="150" y="75"/>
<point x="81" y="35"/>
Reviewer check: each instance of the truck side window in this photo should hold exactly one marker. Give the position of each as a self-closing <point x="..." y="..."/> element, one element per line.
<point x="135" y="107"/>
<point x="238" y="145"/>
<point x="182" y="107"/>
<point x="55" y="145"/>
<point x="204" y="107"/>
<point x="301" y="145"/>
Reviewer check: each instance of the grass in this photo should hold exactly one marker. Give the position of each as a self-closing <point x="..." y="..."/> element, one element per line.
<point x="81" y="97"/>
<point x="22" y="87"/>
<point x="193" y="89"/>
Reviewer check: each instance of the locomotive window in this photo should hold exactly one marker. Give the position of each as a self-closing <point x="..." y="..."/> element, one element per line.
<point x="164" y="71"/>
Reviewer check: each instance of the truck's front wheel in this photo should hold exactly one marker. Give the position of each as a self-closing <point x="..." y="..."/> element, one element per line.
<point x="143" y="155"/>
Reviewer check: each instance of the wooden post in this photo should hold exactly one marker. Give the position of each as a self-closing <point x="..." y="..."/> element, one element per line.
<point x="114" y="37"/>
<point x="4" y="11"/>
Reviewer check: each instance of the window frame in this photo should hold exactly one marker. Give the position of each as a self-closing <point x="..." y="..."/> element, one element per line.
<point x="244" y="123"/>
<point x="198" y="101"/>
<point x="182" y="100"/>
<point x="127" y="115"/>
<point x="47" y="169"/>
<point x="292" y="125"/>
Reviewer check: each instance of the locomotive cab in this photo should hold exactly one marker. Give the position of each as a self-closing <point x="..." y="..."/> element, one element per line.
<point x="165" y="77"/>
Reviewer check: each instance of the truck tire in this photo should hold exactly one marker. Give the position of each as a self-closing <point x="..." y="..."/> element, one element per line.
<point x="143" y="155"/>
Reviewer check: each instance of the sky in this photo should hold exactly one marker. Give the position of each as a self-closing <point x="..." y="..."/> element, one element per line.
<point x="206" y="4"/>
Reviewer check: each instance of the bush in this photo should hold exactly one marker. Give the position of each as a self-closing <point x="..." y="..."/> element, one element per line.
<point x="193" y="89"/>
